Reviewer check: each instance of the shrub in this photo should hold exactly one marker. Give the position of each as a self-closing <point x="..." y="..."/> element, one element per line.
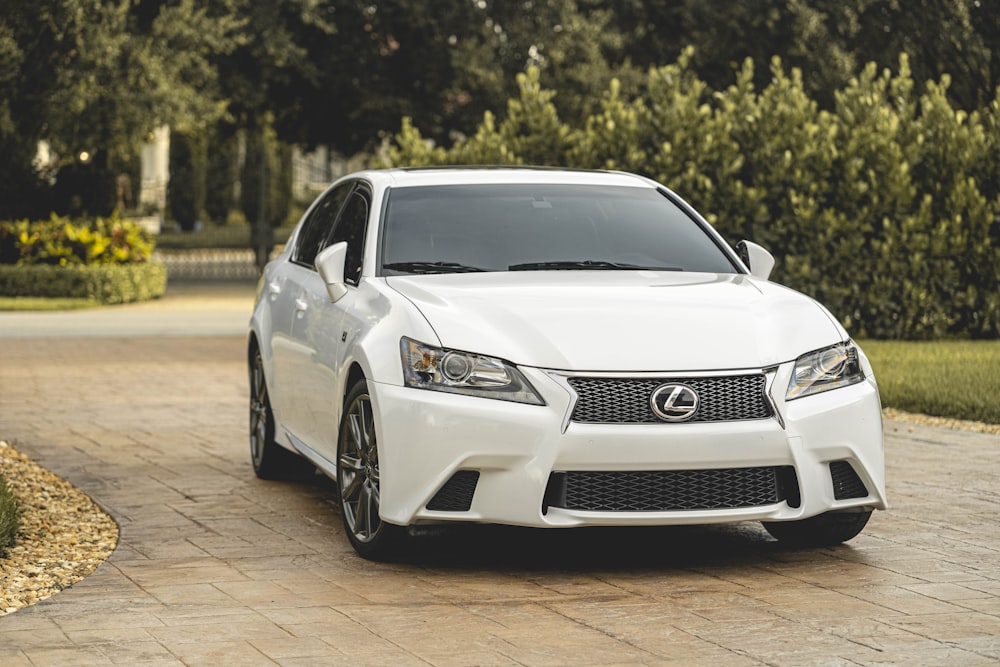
<point x="59" y="241"/>
<point x="10" y="517"/>
<point x="105" y="260"/>
<point x="885" y="208"/>
<point x="101" y="283"/>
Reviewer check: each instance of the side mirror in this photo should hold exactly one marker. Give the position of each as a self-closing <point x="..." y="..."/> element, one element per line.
<point x="758" y="260"/>
<point x="330" y="264"/>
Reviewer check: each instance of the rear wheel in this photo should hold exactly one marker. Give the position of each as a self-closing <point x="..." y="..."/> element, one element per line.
<point x="358" y="480"/>
<point x="270" y="460"/>
<point x="820" y="531"/>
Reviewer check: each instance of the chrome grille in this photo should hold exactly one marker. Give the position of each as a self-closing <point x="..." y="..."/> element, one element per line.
<point x="626" y="400"/>
<point x="672" y="490"/>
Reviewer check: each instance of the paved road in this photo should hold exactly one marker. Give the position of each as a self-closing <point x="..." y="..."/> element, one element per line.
<point x="187" y="309"/>
<point x="216" y="567"/>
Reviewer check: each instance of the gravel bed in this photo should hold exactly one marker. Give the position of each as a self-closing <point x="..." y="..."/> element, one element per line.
<point x="941" y="422"/>
<point x="65" y="535"/>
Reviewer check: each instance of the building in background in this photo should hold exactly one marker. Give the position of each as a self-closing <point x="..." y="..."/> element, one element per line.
<point x="155" y="171"/>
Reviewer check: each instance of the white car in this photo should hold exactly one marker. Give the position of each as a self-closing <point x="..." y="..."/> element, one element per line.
<point x="552" y="348"/>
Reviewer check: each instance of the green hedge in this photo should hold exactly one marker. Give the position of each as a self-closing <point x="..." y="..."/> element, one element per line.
<point x="886" y="208"/>
<point x="102" y="283"/>
<point x="104" y="260"/>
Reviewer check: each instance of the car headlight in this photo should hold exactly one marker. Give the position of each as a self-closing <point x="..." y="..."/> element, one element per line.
<point x="829" y="368"/>
<point x="427" y="367"/>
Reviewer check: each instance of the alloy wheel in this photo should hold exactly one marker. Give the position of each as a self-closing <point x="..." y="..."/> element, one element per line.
<point x="358" y="471"/>
<point x="259" y="411"/>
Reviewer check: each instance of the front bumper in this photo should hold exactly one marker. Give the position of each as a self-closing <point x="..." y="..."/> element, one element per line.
<point x="506" y="459"/>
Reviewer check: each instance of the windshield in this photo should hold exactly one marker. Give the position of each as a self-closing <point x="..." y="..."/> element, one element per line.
<point x="541" y="227"/>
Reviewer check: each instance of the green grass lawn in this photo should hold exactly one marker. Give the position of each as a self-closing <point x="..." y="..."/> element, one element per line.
<point x="41" y="303"/>
<point x="958" y="379"/>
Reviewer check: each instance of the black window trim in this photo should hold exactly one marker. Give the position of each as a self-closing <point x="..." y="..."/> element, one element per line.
<point x="705" y="227"/>
<point x="366" y="191"/>
<point x="294" y="259"/>
<point x="380" y="241"/>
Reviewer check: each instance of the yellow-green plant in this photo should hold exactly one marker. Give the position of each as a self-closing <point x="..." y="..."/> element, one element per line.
<point x="885" y="207"/>
<point x="61" y="241"/>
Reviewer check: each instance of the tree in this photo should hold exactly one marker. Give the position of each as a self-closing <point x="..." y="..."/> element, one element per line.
<point x="575" y="44"/>
<point x="828" y="40"/>
<point x="806" y="34"/>
<point x="94" y="78"/>
<point x="940" y="37"/>
<point x="188" y="171"/>
<point x="32" y="46"/>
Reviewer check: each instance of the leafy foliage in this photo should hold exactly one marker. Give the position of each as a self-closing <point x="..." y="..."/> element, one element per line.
<point x="62" y="242"/>
<point x="97" y="283"/>
<point x="828" y="40"/>
<point x="94" y="78"/>
<point x="188" y="174"/>
<point x="887" y="208"/>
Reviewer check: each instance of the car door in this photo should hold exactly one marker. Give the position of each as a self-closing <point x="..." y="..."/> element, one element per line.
<point x="290" y="294"/>
<point x="320" y="329"/>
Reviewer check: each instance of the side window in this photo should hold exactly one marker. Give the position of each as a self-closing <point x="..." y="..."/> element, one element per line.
<point x="350" y="227"/>
<point x="317" y="227"/>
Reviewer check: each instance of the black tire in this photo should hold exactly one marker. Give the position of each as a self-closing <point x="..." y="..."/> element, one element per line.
<point x="358" y="481"/>
<point x="270" y="460"/>
<point x="823" y="530"/>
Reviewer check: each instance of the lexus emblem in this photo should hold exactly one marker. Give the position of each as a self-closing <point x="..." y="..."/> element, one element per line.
<point x="674" y="402"/>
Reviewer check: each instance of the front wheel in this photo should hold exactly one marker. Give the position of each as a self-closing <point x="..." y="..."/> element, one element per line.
<point x="358" y="480"/>
<point x="823" y="530"/>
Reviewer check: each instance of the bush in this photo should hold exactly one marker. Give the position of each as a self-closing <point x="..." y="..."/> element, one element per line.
<point x="59" y="241"/>
<point x="101" y="283"/>
<point x="10" y="517"/>
<point x="105" y="260"/>
<point x="885" y="208"/>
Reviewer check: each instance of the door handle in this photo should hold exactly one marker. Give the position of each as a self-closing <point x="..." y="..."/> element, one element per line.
<point x="300" y="305"/>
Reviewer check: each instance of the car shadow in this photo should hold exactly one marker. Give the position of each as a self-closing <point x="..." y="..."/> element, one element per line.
<point x="461" y="546"/>
<point x="605" y="548"/>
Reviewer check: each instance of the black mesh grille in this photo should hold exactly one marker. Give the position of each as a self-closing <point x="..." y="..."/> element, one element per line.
<point x="456" y="494"/>
<point x="626" y="400"/>
<point x="666" y="490"/>
<point x="846" y="483"/>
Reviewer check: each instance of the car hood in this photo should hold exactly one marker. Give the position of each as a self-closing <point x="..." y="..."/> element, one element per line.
<point x="620" y="320"/>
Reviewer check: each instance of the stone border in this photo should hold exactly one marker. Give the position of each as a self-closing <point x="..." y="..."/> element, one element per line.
<point x="64" y="535"/>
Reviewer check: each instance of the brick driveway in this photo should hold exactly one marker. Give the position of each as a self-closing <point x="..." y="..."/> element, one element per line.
<point x="216" y="567"/>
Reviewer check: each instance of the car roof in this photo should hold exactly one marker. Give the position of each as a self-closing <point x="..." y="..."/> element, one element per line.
<point x="472" y="175"/>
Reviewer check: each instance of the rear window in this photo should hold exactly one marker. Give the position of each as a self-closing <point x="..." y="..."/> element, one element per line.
<point x="441" y="229"/>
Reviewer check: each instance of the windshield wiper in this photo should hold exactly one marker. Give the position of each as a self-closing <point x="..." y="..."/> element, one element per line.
<point x="591" y="264"/>
<point x="432" y="267"/>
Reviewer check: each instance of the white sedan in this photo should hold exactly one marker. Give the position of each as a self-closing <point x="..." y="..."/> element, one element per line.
<point x="552" y="348"/>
